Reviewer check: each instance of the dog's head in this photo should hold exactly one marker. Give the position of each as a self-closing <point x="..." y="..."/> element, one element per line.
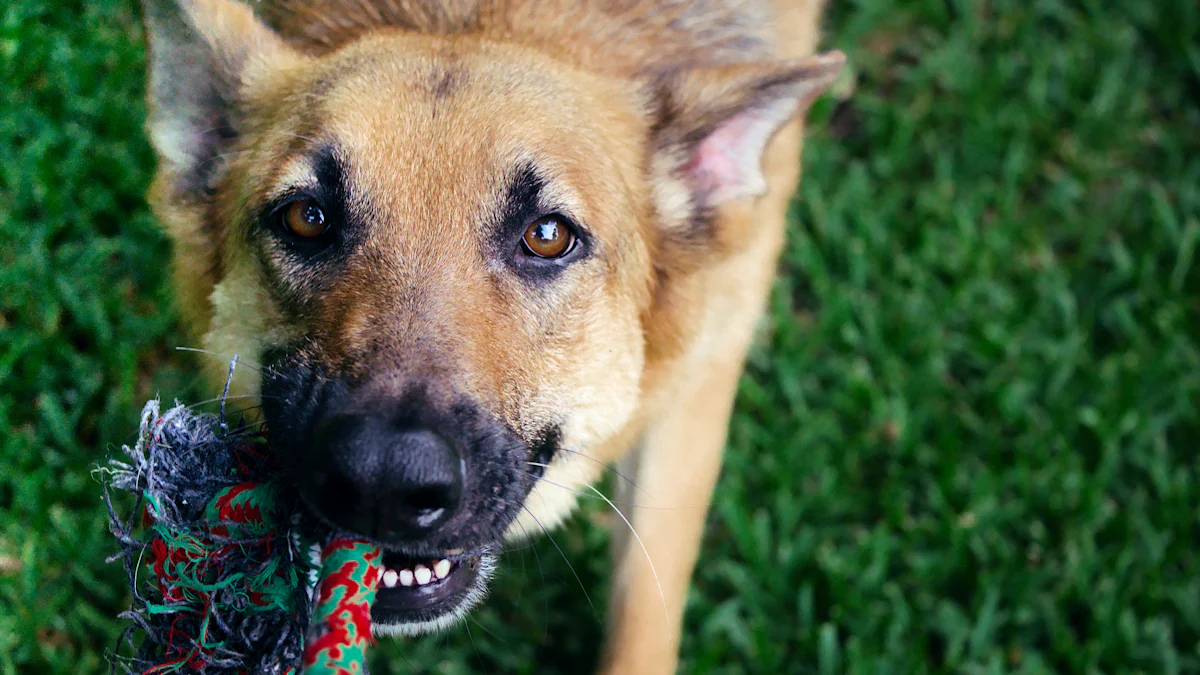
<point x="444" y="251"/>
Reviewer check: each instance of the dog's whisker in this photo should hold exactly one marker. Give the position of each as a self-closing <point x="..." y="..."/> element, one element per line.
<point x="423" y="646"/>
<point x="565" y="559"/>
<point x="528" y="540"/>
<point x="484" y="629"/>
<point x="478" y="656"/>
<point x="248" y="409"/>
<point x="232" y="397"/>
<point x="581" y="494"/>
<point x="593" y="497"/>
<point x="257" y="367"/>
<point x="234" y="360"/>
<point x="299" y="136"/>
<point x="524" y="568"/>
<point x="518" y="548"/>
<point x="248" y="428"/>
<point x="610" y="467"/>
<point x="541" y="572"/>
<point x="657" y="582"/>
<point x="242" y="428"/>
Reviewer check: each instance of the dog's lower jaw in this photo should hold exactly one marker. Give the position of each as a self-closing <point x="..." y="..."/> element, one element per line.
<point x="451" y="617"/>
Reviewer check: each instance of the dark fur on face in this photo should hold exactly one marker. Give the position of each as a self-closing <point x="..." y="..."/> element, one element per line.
<point x="358" y="490"/>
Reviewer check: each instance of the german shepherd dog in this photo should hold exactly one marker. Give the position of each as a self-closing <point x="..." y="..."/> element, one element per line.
<point x="484" y="249"/>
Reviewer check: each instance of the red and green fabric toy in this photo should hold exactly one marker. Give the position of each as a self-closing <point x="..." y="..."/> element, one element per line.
<point x="227" y="576"/>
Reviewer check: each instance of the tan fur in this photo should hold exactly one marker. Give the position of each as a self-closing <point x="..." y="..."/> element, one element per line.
<point x="636" y="349"/>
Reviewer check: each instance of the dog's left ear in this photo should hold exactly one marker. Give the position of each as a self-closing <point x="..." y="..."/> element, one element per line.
<point x="713" y="125"/>
<point x="202" y="55"/>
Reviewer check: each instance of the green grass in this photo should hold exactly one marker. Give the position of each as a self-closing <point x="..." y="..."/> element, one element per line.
<point x="968" y="442"/>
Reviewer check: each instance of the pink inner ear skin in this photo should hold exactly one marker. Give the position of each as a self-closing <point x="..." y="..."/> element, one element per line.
<point x="753" y="102"/>
<point x="715" y="163"/>
<point x="727" y="164"/>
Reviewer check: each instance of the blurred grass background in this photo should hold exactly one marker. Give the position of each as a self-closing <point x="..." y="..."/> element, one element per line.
<point x="967" y="442"/>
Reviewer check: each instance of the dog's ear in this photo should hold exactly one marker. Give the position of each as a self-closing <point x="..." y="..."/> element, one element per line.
<point x="202" y="55"/>
<point x="713" y="125"/>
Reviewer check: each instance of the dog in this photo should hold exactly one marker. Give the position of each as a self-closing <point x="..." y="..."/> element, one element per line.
<point x="483" y="250"/>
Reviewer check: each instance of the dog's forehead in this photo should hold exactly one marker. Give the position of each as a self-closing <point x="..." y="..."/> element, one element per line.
<point x="449" y="104"/>
<point x="451" y="121"/>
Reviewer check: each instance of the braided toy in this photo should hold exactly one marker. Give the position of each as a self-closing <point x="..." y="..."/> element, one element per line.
<point x="225" y="576"/>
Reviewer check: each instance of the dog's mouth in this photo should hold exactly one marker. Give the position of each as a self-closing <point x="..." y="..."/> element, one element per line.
<point x="418" y="595"/>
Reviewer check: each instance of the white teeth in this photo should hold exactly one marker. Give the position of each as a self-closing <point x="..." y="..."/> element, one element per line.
<point x="442" y="568"/>
<point x="379" y="578"/>
<point x="419" y="575"/>
<point x="423" y="574"/>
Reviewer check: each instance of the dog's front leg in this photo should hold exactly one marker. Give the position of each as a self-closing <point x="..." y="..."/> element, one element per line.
<point x="674" y="470"/>
<point x="674" y="473"/>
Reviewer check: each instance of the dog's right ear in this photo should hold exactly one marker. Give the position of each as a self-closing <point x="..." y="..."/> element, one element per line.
<point x="203" y="54"/>
<point x="714" y="124"/>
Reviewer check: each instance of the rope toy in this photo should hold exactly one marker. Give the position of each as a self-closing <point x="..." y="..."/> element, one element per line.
<point x="226" y="577"/>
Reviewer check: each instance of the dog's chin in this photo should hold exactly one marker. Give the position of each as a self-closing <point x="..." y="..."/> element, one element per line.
<point x="406" y="606"/>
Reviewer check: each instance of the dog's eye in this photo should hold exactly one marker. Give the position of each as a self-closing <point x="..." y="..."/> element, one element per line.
<point x="548" y="237"/>
<point x="304" y="218"/>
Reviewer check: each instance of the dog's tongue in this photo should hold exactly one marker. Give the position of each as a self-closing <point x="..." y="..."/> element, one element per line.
<point x="340" y="624"/>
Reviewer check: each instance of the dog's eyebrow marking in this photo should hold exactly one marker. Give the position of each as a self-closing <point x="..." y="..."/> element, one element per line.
<point x="521" y="202"/>
<point x="351" y="212"/>
<point x="319" y="170"/>
<point x="331" y="177"/>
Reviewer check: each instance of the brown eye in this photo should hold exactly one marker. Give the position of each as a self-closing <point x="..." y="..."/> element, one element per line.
<point x="548" y="237"/>
<point x="304" y="218"/>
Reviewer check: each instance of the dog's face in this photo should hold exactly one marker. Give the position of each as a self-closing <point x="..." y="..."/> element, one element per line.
<point x="443" y="252"/>
<point x="451" y="249"/>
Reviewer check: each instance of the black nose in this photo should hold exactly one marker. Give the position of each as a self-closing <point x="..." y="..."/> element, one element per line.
<point x="376" y="477"/>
